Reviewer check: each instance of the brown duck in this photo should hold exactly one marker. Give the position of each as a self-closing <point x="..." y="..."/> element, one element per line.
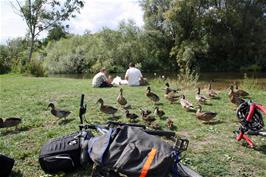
<point x="106" y="109"/>
<point x="10" y="122"/>
<point x="131" y="116"/>
<point x="152" y="96"/>
<point x="200" y="98"/>
<point x="168" y="89"/>
<point x="234" y="97"/>
<point x="186" y="104"/>
<point x="204" y="116"/>
<point x="160" y="113"/>
<point x="170" y="123"/>
<point x="58" y="112"/>
<point x="240" y="92"/>
<point x="144" y="112"/>
<point x="149" y="119"/>
<point x="121" y="100"/>
<point x="212" y="93"/>
<point x="155" y="126"/>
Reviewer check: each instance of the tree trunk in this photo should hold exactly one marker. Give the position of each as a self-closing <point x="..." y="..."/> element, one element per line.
<point x="31" y="49"/>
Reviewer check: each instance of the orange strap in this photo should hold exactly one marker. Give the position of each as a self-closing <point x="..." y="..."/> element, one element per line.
<point x="148" y="162"/>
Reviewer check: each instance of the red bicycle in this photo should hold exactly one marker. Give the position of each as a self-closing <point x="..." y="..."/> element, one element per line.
<point x="251" y="120"/>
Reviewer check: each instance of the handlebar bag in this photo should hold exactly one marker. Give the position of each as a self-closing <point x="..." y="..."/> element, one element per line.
<point x="132" y="152"/>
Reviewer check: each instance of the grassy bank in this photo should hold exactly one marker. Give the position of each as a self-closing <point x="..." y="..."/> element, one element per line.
<point x="213" y="150"/>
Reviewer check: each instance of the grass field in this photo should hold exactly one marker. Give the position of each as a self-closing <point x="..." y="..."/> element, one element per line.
<point x="212" y="152"/>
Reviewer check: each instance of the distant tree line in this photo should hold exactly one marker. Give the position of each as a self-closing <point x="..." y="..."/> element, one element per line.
<point x="180" y="36"/>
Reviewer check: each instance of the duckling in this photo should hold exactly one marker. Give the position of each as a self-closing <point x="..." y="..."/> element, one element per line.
<point x="211" y="92"/>
<point x="155" y="126"/>
<point x="58" y="112"/>
<point x="152" y="96"/>
<point x="10" y="122"/>
<point x="158" y="112"/>
<point x="149" y="119"/>
<point x="242" y="93"/>
<point x="106" y="109"/>
<point x="144" y="112"/>
<point x="169" y="123"/>
<point x="186" y="104"/>
<point x="234" y="97"/>
<point x="121" y="99"/>
<point x="204" y="116"/>
<point x="131" y="116"/>
<point x="200" y="98"/>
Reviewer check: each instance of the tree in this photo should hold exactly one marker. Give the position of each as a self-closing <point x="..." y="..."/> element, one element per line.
<point x="40" y="15"/>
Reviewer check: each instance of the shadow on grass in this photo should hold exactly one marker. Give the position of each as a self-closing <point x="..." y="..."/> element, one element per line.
<point x="13" y="131"/>
<point x="261" y="148"/>
<point x="16" y="173"/>
<point x="208" y="104"/>
<point x="216" y="98"/>
<point x="213" y="122"/>
<point x="63" y="122"/>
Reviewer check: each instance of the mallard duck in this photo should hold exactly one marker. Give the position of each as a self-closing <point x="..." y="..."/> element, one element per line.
<point x="158" y="112"/>
<point x="204" y="116"/>
<point x="121" y="99"/>
<point x="106" y="109"/>
<point x="169" y="123"/>
<point x="58" y="112"/>
<point x="242" y="93"/>
<point x="234" y="97"/>
<point x="168" y="89"/>
<point x="211" y="92"/>
<point x="170" y="94"/>
<point x="149" y="119"/>
<point x="200" y="98"/>
<point x="144" y="112"/>
<point x="152" y="96"/>
<point x="155" y="126"/>
<point x="186" y="104"/>
<point x="131" y="116"/>
<point x="10" y="122"/>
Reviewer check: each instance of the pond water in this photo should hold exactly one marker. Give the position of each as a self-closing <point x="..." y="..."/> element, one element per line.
<point x="222" y="80"/>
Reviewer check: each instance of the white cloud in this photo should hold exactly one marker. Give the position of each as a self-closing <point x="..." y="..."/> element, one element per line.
<point x="95" y="15"/>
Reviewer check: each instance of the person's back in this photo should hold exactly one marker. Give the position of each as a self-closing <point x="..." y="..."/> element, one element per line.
<point x="133" y="75"/>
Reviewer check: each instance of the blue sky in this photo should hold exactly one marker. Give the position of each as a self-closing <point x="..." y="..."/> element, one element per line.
<point x="95" y="15"/>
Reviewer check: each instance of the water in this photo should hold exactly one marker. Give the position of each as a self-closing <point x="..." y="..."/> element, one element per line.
<point x="221" y="80"/>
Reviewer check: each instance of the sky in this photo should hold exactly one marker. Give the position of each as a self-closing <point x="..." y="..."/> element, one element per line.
<point x="95" y="15"/>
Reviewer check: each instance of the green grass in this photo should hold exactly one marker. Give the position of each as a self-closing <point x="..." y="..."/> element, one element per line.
<point x="213" y="150"/>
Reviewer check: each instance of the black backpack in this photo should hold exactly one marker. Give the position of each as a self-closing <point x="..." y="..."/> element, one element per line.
<point x="6" y="165"/>
<point x="65" y="153"/>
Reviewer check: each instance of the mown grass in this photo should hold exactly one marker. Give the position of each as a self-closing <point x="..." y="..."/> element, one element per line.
<point x="213" y="150"/>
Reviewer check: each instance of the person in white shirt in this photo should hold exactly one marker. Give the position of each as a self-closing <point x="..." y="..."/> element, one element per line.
<point x="133" y="76"/>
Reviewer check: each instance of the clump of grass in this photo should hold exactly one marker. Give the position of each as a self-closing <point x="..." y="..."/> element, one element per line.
<point x="250" y="83"/>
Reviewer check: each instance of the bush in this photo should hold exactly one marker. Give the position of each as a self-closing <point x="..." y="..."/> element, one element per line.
<point x="36" y="68"/>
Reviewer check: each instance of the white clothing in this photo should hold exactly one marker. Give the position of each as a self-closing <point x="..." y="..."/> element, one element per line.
<point x="133" y="76"/>
<point x="118" y="81"/>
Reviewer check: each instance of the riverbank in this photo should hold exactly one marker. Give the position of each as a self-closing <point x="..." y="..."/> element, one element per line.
<point x="212" y="151"/>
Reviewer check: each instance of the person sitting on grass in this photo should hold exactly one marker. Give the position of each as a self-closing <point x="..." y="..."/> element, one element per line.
<point x="100" y="80"/>
<point x="134" y="76"/>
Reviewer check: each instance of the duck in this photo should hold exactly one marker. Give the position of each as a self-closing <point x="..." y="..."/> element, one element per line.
<point x="234" y="97"/>
<point x="170" y="123"/>
<point x="170" y="94"/>
<point x="158" y="112"/>
<point x="144" y="112"/>
<point x="200" y="98"/>
<point x="186" y="104"/>
<point x="106" y="109"/>
<point x="152" y="96"/>
<point x="212" y="93"/>
<point x="10" y="122"/>
<point x="131" y="116"/>
<point x="149" y="119"/>
<point x="168" y="89"/>
<point x="121" y="100"/>
<point x="59" y="113"/>
<point x="240" y="92"/>
<point x="155" y="126"/>
<point x="205" y="116"/>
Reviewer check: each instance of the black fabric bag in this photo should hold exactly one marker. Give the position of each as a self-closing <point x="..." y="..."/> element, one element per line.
<point x="127" y="150"/>
<point x="62" y="154"/>
<point x="6" y="165"/>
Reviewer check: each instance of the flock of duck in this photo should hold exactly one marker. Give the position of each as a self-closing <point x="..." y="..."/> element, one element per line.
<point x="236" y="97"/>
